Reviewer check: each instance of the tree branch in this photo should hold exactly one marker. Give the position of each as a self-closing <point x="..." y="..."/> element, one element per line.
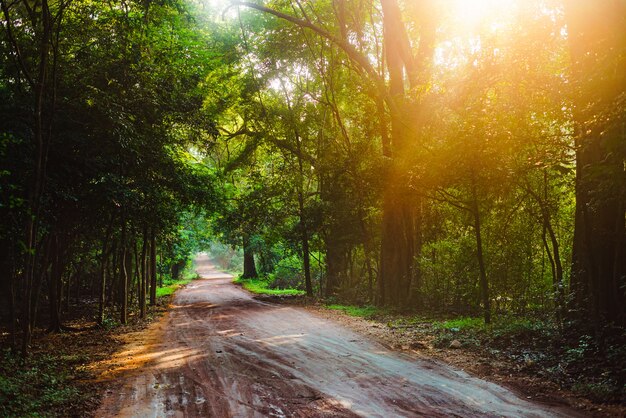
<point x="357" y="57"/>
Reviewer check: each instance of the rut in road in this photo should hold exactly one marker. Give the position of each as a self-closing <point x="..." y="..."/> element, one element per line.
<point x="220" y="353"/>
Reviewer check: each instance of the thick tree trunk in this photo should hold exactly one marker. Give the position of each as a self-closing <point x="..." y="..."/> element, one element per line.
<point x="249" y="268"/>
<point x="398" y="249"/>
<point x="598" y="43"/>
<point x="336" y="265"/>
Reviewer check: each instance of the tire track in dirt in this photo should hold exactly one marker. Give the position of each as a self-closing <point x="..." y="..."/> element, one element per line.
<point x="218" y="352"/>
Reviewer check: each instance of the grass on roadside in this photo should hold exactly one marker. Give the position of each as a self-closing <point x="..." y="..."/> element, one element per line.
<point x="367" y="312"/>
<point x="171" y="285"/>
<point x="261" y="287"/>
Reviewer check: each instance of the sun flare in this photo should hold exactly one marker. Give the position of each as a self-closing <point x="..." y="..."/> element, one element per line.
<point x="475" y="13"/>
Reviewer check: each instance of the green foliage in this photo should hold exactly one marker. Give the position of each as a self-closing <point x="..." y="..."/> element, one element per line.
<point x="170" y="285"/>
<point x="262" y="287"/>
<point x="505" y="330"/>
<point x="110" y="321"/>
<point x="226" y="257"/>
<point x="37" y="387"/>
<point x="366" y="312"/>
<point x="288" y="273"/>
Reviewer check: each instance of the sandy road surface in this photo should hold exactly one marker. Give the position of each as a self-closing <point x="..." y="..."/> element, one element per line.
<point x="218" y="352"/>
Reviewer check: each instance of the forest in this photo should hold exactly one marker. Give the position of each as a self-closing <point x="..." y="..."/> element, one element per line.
<point x="454" y="159"/>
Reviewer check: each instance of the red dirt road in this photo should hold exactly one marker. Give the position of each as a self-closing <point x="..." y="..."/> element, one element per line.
<point x="220" y="353"/>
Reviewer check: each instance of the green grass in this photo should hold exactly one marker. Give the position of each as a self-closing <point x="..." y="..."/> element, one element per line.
<point x="261" y="287"/>
<point x="360" y="311"/>
<point x="170" y="285"/>
<point x="500" y="326"/>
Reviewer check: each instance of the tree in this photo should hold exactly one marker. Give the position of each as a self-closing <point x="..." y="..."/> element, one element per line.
<point x="597" y="44"/>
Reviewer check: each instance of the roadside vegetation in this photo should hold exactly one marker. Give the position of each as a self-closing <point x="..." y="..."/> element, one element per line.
<point x="537" y="350"/>
<point x="59" y="378"/>
<point x="263" y="286"/>
<point x="170" y="285"/>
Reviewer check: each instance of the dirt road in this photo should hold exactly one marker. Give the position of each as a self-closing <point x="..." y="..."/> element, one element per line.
<point x="218" y="352"/>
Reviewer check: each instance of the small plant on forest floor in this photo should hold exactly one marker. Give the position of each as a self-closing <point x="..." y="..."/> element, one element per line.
<point x="109" y="322"/>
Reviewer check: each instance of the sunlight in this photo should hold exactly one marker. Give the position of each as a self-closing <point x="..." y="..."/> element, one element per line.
<point x="470" y="22"/>
<point x="486" y="13"/>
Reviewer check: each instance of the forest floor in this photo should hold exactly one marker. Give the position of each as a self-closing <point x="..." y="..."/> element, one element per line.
<point x="62" y="376"/>
<point x="220" y="352"/>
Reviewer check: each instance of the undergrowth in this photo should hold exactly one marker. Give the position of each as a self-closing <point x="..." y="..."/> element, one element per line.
<point x="366" y="312"/>
<point x="170" y="285"/>
<point x="262" y="287"/>
<point x="40" y="385"/>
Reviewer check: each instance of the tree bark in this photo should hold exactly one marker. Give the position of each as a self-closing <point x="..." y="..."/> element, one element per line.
<point x="39" y="87"/>
<point x="103" y="272"/>
<point x="123" y="282"/>
<point x="249" y="268"/>
<point x="54" y="283"/>
<point x="484" y="283"/>
<point x="401" y="223"/>
<point x="144" y="275"/>
<point x="153" y="271"/>
<point x="597" y="45"/>
<point x="306" y="257"/>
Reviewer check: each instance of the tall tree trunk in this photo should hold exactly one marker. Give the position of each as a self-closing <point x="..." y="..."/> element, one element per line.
<point x="153" y="271"/>
<point x="103" y="272"/>
<point x="39" y="86"/>
<point x="598" y="46"/>
<point x="112" y="273"/>
<point x="304" y="233"/>
<point x="144" y="274"/>
<point x="335" y="262"/>
<point x="398" y="246"/>
<point x="123" y="282"/>
<point x="41" y="274"/>
<point x="129" y="273"/>
<point x="54" y="282"/>
<point x="249" y="268"/>
<point x="306" y="256"/>
<point x="484" y="283"/>
<point x="161" y="268"/>
<point x="7" y="269"/>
